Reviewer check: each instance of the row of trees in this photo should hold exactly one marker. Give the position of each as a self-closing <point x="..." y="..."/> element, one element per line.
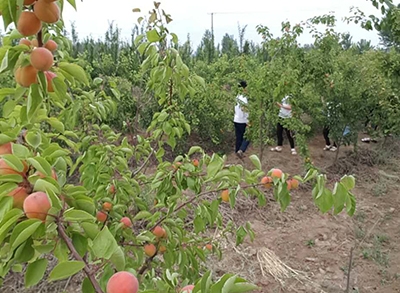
<point x="355" y="77"/>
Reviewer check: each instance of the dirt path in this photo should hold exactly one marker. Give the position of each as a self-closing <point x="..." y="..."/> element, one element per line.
<point x="319" y="245"/>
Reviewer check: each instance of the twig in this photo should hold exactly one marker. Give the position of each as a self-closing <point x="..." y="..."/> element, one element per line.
<point x="146" y="264"/>
<point x="144" y="164"/>
<point x="349" y="270"/>
<point x="196" y="197"/>
<point x="75" y="254"/>
<point x="355" y="247"/>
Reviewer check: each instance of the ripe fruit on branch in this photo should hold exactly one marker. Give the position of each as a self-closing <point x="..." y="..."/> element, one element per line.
<point x="209" y="247"/>
<point x="159" y="232"/>
<point x="51" y="45"/>
<point x="150" y="250"/>
<point x="127" y="222"/>
<point x="5" y="169"/>
<point x="187" y="289"/>
<point x="176" y="165"/>
<point x="25" y="42"/>
<point x="36" y="206"/>
<point x="112" y="189"/>
<point x="19" y="195"/>
<point x="47" y="12"/>
<point x="49" y="77"/>
<point x="28" y="24"/>
<point x="225" y="195"/>
<point x="42" y="59"/>
<point x="294" y="183"/>
<point x="267" y="181"/>
<point x="101" y="216"/>
<point x="6" y="149"/>
<point x="276" y="173"/>
<point x="122" y="282"/>
<point x="289" y="184"/>
<point x="26" y="76"/>
<point x="195" y="163"/>
<point x="162" y="249"/>
<point x="107" y="206"/>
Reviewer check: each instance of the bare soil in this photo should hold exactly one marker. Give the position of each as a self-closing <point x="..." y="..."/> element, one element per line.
<point x="319" y="245"/>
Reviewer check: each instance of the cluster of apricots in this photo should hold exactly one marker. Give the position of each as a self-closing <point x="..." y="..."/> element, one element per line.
<point x="40" y="55"/>
<point x="35" y="205"/>
<point x="102" y="215"/>
<point x="267" y="181"/>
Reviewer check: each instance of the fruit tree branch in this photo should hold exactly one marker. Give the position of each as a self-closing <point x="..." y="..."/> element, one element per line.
<point x="196" y="197"/>
<point x="75" y="254"/>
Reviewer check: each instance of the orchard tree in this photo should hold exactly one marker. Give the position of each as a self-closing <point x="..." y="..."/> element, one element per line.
<point x="67" y="186"/>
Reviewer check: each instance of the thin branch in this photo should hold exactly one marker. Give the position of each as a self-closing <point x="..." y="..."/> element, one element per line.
<point x="349" y="270"/>
<point x="75" y="254"/>
<point x="184" y="204"/>
<point x="144" y="164"/>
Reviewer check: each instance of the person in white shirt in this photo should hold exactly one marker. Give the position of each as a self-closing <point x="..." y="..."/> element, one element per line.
<point x="285" y="112"/>
<point x="241" y="119"/>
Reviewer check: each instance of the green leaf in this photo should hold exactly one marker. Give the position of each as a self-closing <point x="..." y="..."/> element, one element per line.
<point x="214" y="166"/>
<point x="14" y="162"/>
<point x="41" y="165"/>
<point x="76" y="71"/>
<point x="174" y="38"/>
<point x="9" y="219"/>
<point x="20" y="151"/>
<point x="35" y="272"/>
<point x="23" y="231"/>
<point x="91" y="229"/>
<point x="34" y="139"/>
<point x="118" y="259"/>
<point x="56" y="124"/>
<point x="104" y="245"/>
<point x="87" y="286"/>
<point x="25" y="252"/>
<point x="256" y="161"/>
<point x="194" y="149"/>
<point x="349" y="182"/>
<point x="46" y="186"/>
<point x="78" y="216"/>
<point x="35" y="99"/>
<point x="153" y="36"/>
<point x="66" y="269"/>
<point x="242" y="287"/>
<point x="142" y="215"/>
<point x="80" y="243"/>
<point x="339" y="197"/>
<point x="241" y="233"/>
<point x="72" y="2"/>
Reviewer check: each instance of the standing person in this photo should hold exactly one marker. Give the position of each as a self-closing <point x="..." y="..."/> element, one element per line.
<point x="241" y="119"/>
<point x="328" y="145"/>
<point x="326" y="130"/>
<point x="285" y="112"/>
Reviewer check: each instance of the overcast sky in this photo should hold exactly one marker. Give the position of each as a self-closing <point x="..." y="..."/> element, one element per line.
<point x="93" y="17"/>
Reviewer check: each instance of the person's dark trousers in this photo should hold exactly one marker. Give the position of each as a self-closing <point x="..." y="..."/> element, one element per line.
<point x="280" y="130"/>
<point x="241" y="142"/>
<point x="325" y="132"/>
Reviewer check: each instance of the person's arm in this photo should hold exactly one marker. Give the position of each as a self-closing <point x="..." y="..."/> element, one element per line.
<point x="286" y="106"/>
